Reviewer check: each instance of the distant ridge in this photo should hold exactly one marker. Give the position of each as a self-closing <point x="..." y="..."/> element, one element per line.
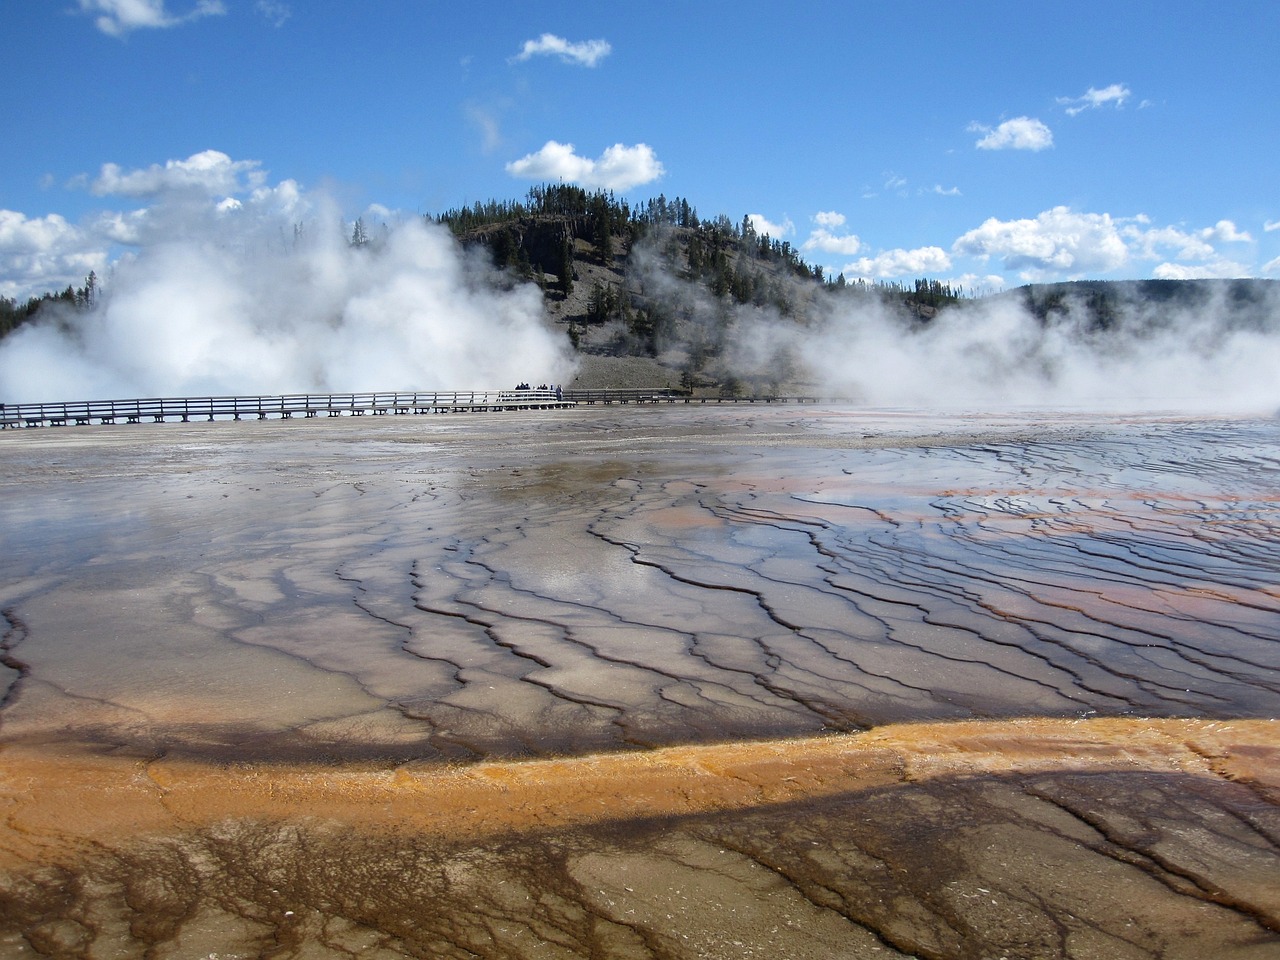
<point x="1240" y="303"/>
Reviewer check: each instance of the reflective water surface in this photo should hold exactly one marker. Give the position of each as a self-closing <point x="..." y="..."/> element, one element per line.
<point x="641" y="681"/>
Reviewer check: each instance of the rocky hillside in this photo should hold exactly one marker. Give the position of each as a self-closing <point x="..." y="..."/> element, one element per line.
<point x="656" y="294"/>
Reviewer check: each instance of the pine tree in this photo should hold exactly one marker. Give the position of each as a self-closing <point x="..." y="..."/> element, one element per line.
<point x="565" y="273"/>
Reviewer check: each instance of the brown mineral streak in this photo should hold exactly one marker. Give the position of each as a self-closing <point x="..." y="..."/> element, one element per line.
<point x="56" y="805"/>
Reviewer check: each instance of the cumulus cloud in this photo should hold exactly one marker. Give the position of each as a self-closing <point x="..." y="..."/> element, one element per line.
<point x="825" y="239"/>
<point x="43" y="254"/>
<point x="1216" y="269"/>
<point x="1020" y="133"/>
<point x="977" y="284"/>
<point x="900" y="263"/>
<point x="763" y="226"/>
<point x="208" y="173"/>
<point x="1057" y="243"/>
<point x="118" y="17"/>
<point x="586" y="53"/>
<point x="822" y="239"/>
<point x="618" y="168"/>
<point x="1093" y="98"/>
<point x="1271" y="225"/>
<point x="1156" y="243"/>
<point x="39" y="255"/>
<point x="1228" y="232"/>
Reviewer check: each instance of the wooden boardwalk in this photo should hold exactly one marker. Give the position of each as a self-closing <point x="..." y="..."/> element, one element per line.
<point x="675" y="396"/>
<point x="186" y="409"/>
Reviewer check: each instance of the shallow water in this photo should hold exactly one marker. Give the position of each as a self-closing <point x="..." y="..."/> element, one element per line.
<point x="377" y="594"/>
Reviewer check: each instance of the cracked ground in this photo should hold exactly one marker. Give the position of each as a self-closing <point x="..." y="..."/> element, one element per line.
<point x="642" y="682"/>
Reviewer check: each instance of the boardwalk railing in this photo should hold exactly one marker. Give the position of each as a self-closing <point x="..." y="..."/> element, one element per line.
<point x="161" y="409"/>
<point x="674" y="396"/>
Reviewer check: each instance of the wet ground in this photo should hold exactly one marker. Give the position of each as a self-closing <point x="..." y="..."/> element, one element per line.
<point x="654" y="682"/>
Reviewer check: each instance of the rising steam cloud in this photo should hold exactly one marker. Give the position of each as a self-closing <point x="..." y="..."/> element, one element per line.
<point x="269" y="297"/>
<point x="995" y="353"/>
<point x="1207" y="351"/>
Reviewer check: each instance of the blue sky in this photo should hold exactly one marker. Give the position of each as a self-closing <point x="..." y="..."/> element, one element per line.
<point x="985" y="143"/>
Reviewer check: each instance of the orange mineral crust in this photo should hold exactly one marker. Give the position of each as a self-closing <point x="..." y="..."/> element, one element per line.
<point x="58" y="802"/>
<point x="1036" y="838"/>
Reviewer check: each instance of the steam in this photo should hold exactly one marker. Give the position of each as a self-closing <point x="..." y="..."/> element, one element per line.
<point x="1206" y="352"/>
<point x="269" y="296"/>
<point x="994" y="353"/>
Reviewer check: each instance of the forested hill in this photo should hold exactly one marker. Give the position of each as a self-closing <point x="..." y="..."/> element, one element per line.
<point x="657" y="280"/>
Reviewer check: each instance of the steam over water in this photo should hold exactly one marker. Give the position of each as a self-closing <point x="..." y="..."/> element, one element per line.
<point x="219" y="303"/>
<point x="319" y="601"/>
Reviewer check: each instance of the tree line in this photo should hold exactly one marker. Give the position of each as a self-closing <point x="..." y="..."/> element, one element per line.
<point x="14" y="313"/>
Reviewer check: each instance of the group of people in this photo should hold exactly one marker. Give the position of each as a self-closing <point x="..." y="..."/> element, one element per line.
<point x="556" y="388"/>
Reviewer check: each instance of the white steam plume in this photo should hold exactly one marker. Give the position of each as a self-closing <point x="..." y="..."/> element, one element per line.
<point x="268" y="297"/>
<point x="1203" y="350"/>
<point x="995" y="353"/>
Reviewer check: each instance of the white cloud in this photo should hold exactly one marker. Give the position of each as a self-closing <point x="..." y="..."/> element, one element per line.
<point x="44" y="254"/>
<point x="1061" y="243"/>
<point x="276" y="12"/>
<point x="976" y="284"/>
<point x="1271" y="225"/>
<point x="586" y="53"/>
<point x="1020" y="133"/>
<point x="775" y="230"/>
<point x="486" y="121"/>
<point x="1217" y="269"/>
<point x="117" y="17"/>
<point x="1058" y="242"/>
<point x="209" y="173"/>
<point x="1157" y="242"/>
<point x="1271" y="267"/>
<point x="1093" y="98"/>
<point x="822" y="239"/>
<point x="618" y="168"/>
<point x="1227" y="232"/>
<point x="942" y="191"/>
<point x="900" y="263"/>
<point x="829" y="219"/>
<point x="205" y="193"/>
<point x="116" y="227"/>
<point x="17" y="232"/>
